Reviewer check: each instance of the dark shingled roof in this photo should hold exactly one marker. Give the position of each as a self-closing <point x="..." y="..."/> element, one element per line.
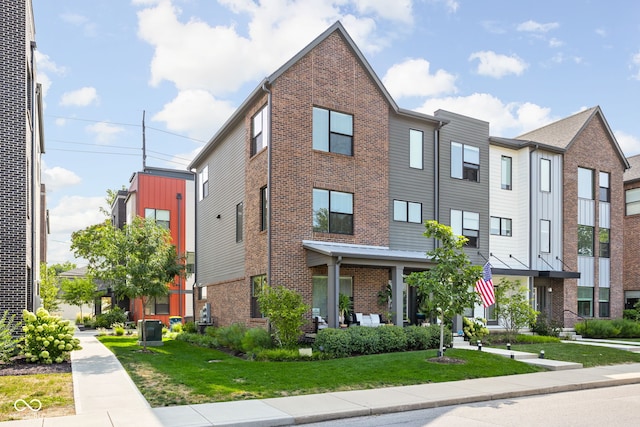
<point x="633" y="173"/>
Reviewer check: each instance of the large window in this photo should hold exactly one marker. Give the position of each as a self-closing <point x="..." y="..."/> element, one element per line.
<point x="203" y="183"/>
<point x="332" y="211"/>
<point x="585" y="183"/>
<point x="603" y="302"/>
<point x="260" y="130"/>
<point x="585" y="301"/>
<point x="505" y="181"/>
<point x="545" y="175"/>
<point x="407" y="211"/>
<point x="160" y="216"/>
<point x="605" y="190"/>
<point x="239" y="221"/>
<point x="415" y="148"/>
<point x="500" y="226"/>
<point x="545" y="236"/>
<point x="632" y="201"/>
<point x="465" y="161"/>
<point x="466" y="224"/>
<point x="157" y="305"/>
<point x="585" y="240"/>
<point x="258" y="284"/>
<point x="332" y="131"/>
<point x="321" y="293"/>
<point x="605" y="244"/>
<point x="264" y="208"/>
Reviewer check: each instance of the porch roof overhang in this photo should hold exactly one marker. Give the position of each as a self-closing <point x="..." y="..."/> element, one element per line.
<point x="321" y="253"/>
<point x="514" y="272"/>
<point x="560" y="274"/>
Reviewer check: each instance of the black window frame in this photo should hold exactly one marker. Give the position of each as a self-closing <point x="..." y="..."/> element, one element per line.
<point x="264" y="208"/>
<point x="469" y="171"/>
<point x="506" y="185"/>
<point x="166" y="224"/>
<point x="336" y="221"/>
<point x="604" y="193"/>
<point x="335" y="139"/>
<point x="260" y="139"/>
<point x="257" y="283"/>
<point x="604" y="242"/>
<point x="239" y="222"/>
<point x="586" y="235"/>
<point x="407" y="217"/>
<point x="502" y="228"/>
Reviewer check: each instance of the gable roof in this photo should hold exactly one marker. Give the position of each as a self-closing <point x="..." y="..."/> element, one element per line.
<point x="633" y="173"/>
<point x="263" y="86"/>
<point x="563" y="133"/>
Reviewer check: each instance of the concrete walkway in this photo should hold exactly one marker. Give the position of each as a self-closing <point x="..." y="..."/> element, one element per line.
<point x="106" y="396"/>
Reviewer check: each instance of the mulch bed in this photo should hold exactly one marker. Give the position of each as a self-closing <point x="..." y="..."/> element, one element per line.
<point x="21" y="367"/>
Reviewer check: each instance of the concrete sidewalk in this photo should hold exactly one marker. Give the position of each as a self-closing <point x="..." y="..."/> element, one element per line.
<point x="106" y="396"/>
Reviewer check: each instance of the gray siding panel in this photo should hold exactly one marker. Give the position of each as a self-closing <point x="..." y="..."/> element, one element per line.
<point x="410" y="184"/>
<point x="605" y="215"/>
<point x="586" y="267"/>
<point x="219" y="257"/>
<point x="586" y="212"/>
<point x="462" y="194"/>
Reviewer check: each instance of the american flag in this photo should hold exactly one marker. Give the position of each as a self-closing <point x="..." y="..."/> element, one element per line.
<point x="484" y="286"/>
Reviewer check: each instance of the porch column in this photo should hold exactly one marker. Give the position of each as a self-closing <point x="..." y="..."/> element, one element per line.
<point x="333" y="290"/>
<point x="396" y="295"/>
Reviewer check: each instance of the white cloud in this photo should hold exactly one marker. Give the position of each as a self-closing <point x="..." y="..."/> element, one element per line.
<point x="507" y="120"/>
<point x="89" y="28"/>
<point x="496" y="65"/>
<point x="79" y="98"/>
<point x="104" y="132"/>
<point x="57" y="178"/>
<point x="196" y="112"/>
<point x="536" y="27"/>
<point x="413" y="78"/>
<point x="398" y="11"/>
<point x="44" y="66"/>
<point x="635" y="66"/>
<point x="554" y="42"/>
<point x="601" y="32"/>
<point x="629" y="144"/>
<point x="493" y="27"/>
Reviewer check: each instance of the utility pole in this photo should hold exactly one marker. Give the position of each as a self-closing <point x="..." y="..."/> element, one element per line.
<point x="144" y="145"/>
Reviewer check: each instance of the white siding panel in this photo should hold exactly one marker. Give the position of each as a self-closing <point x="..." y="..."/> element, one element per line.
<point x="605" y="215"/>
<point x="586" y="212"/>
<point x="586" y="266"/>
<point x="604" y="272"/>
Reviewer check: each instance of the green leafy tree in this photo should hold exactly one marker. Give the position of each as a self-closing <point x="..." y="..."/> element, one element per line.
<point x="138" y="260"/>
<point x="110" y="198"/>
<point x="285" y="310"/>
<point x="49" y="288"/>
<point x="449" y="284"/>
<point x="513" y="309"/>
<point x="78" y="291"/>
<point x="61" y="268"/>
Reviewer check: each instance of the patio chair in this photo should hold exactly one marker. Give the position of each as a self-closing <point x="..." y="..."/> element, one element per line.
<point x="375" y="319"/>
<point x="366" y="320"/>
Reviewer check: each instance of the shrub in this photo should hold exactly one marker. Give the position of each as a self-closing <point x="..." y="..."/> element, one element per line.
<point x="474" y="329"/>
<point x="285" y="355"/>
<point x="83" y="319"/>
<point x="631" y="314"/>
<point x="545" y="326"/>
<point x="285" y="309"/>
<point x="597" y="329"/>
<point x="231" y="336"/>
<point x="535" y="339"/>
<point x="176" y="327"/>
<point x="108" y="318"/>
<point x="333" y="342"/>
<point x="628" y="328"/>
<point x="256" y="338"/>
<point x="363" y="340"/>
<point x="47" y="338"/>
<point x="418" y="337"/>
<point x="8" y="341"/>
<point x="434" y="336"/>
<point x="200" y="340"/>
<point x="190" y="327"/>
<point x="392" y="338"/>
<point x="118" y="329"/>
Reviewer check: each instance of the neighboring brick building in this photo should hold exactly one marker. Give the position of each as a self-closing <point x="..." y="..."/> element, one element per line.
<point x="21" y="146"/>
<point x="631" y="265"/>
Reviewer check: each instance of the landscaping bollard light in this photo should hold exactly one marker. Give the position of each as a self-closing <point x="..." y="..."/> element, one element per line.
<point x="479" y="346"/>
<point x="508" y="346"/>
<point x="512" y="355"/>
<point x="541" y="354"/>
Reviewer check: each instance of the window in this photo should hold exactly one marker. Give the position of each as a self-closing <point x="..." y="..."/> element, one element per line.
<point x="332" y="211"/>
<point x="321" y="293"/>
<point x="505" y="183"/>
<point x="407" y="211"/>
<point x="260" y="130"/>
<point x="190" y="267"/>
<point x="203" y="181"/>
<point x="239" y="214"/>
<point x="161" y="217"/>
<point x="157" y="305"/>
<point x="465" y="161"/>
<point x="201" y="292"/>
<point x="585" y="183"/>
<point x="545" y="175"/>
<point x="332" y="131"/>
<point x="258" y="284"/>
<point x="585" y="240"/>
<point x="605" y="191"/>
<point x="603" y="302"/>
<point x="545" y="236"/>
<point x="500" y="226"/>
<point x="415" y="148"/>
<point x="585" y="301"/>
<point x="264" y="208"/>
<point x="604" y="242"/>
<point x="466" y="224"/>
<point x="632" y="201"/>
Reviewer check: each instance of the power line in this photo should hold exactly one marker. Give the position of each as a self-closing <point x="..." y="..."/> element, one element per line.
<point x="108" y="146"/>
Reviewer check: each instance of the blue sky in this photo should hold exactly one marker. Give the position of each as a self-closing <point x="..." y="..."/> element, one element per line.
<point x="189" y="63"/>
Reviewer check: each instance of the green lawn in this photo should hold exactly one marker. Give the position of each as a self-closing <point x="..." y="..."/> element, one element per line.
<point x="178" y="373"/>
<point x="588" y="355"/>
<point x="54" y="391"/>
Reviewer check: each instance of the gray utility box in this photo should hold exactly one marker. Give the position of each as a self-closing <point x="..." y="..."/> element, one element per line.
<point x="150" y="331"/>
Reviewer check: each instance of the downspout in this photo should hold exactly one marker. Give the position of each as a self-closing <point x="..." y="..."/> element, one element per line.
<point x="269" y="142"/>
<point x="194" y="292"/>
<point x="179" y="202"/>
<point x="531" y="193"/>
<point x="436" y="171"/>
<point x="34" y="260"/>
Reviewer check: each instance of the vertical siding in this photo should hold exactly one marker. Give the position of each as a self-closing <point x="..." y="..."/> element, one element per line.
<point x="586" y="267"/>
<point x="219" y="257"/>
<point x="410" y="184"/>
<point x="462" y="194"/>
<point x="586" y="212"/>
<point x="547" y="206"/>
<point x="604" y="272"/>
<point x="604" y="219"/>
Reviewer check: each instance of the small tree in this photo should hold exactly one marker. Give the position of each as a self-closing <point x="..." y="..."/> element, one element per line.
<point x="49" y="288"/>
<point x="285" y="310"/>
<point x="448" y="285"/>
<point x="513" y="309"/>
<point x="78" y="291"/>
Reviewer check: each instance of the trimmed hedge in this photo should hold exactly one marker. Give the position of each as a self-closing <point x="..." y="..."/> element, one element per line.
<point x="617" y="328"/>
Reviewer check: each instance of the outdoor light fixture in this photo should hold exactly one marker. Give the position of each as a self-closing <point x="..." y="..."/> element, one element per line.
<point x="479" y="346"/>
<point x="508" y="346"/>
<point x="541" y="354"/>
<point x="512" y="355"/>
